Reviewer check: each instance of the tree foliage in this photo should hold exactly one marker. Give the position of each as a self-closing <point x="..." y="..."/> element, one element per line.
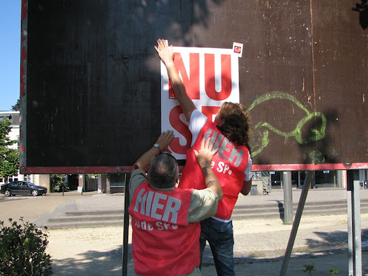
<point x="16" y="107"/>
<point x="57" y="182"/>
<point x="9" y="158"/>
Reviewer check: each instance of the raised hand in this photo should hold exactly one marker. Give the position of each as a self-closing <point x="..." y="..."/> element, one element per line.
<point x="165" y="139"/>
<point x="165" y="52"/>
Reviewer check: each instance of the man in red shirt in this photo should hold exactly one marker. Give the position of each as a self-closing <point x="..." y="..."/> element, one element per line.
<point x="165" y="220"/>
<point x="232" y="164"/>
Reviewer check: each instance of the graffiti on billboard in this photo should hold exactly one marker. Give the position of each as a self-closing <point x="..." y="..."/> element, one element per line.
<point x="262" y="129"/>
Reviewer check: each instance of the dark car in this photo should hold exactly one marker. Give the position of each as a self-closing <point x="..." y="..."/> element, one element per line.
<point x="22" y="188"/>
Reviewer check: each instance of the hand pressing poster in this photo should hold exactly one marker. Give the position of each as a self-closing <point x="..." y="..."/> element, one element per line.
<point x="210" y="76"/>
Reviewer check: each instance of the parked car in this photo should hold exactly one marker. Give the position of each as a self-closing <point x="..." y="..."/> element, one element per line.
<point x="22" y="188"/>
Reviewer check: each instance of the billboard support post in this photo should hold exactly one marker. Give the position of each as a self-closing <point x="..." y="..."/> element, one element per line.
<point x="126" y="230"/>
<point x="296" y="223"/>
<point x="354" y="226"/>
<point x="288" y="197"/>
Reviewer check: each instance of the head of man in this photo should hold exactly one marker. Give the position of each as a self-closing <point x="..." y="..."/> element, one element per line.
<point x="233" y="121"/>
<point x="163" y="172"/>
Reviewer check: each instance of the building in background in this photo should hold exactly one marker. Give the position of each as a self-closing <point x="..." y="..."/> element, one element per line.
<point x="42" y="180"/>
<point x="13" y="116"/>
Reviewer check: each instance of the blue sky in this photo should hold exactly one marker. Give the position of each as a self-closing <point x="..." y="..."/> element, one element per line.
<point x="10" y="19"/>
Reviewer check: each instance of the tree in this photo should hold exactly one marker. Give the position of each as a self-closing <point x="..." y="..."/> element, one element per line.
<point x="16" y="107"/>
<point x="9" y="158"/>
<point x="57" y="182"/>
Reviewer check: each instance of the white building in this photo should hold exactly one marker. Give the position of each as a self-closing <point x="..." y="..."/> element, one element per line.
<point x="14" y="116"/>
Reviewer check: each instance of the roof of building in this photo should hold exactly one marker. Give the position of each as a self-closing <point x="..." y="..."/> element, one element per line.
<point x="11" y="115"/>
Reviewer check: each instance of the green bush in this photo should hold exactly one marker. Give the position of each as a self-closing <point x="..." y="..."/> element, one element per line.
<point x="22" y="250"/>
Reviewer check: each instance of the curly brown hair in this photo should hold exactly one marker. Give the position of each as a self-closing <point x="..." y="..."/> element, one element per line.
<point x="236" y="126"/>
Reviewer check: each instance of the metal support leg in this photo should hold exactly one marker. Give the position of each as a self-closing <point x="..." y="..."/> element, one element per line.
<point x="296" y="223"/>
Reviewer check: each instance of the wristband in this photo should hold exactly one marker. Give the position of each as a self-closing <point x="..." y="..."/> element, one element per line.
<point x="157" y="146"/>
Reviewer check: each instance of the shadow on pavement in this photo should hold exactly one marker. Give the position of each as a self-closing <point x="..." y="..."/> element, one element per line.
<point x="91" y="263"/>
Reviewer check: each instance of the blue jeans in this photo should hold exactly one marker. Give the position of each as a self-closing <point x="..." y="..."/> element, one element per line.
<point x="221" y="239"/>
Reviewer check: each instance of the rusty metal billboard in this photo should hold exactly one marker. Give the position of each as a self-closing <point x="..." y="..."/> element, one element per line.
<point x="90" y="79"/>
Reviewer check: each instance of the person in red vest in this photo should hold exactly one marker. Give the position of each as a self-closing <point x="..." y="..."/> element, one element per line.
<point x="232" y="164"/>
<point x="165" y="220"/>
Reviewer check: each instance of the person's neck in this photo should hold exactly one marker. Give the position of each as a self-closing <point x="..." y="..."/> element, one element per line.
<point x="163" y="189"/>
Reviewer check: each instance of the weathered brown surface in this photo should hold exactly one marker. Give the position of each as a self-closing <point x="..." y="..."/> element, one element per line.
<point x="92" y="90"/>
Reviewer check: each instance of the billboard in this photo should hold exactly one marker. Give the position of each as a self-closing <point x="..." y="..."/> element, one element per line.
<point x="93" y="94"/>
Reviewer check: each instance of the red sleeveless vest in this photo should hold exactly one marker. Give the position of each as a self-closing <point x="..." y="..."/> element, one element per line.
<point x="228" y="164"/>
<point x="163" y="242"/>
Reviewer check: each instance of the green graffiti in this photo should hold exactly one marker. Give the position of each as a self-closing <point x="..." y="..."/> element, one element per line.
<point x="316" y="157"/>
<point x="261" y="130"/>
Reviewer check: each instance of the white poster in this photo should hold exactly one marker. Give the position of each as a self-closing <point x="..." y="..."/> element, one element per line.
<point x="210" y="76"/>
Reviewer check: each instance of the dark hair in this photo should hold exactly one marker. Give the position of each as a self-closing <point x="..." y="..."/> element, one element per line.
<point x="236" y="125"/>
<point x="163" y="170"/>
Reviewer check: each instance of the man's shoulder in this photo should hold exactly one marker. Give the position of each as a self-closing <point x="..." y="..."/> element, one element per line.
<point x="137" y="178"/>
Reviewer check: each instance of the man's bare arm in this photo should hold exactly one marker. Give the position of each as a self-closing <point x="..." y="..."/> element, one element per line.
<point x="163" y="142"/>
<point x="247" y="185"/>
